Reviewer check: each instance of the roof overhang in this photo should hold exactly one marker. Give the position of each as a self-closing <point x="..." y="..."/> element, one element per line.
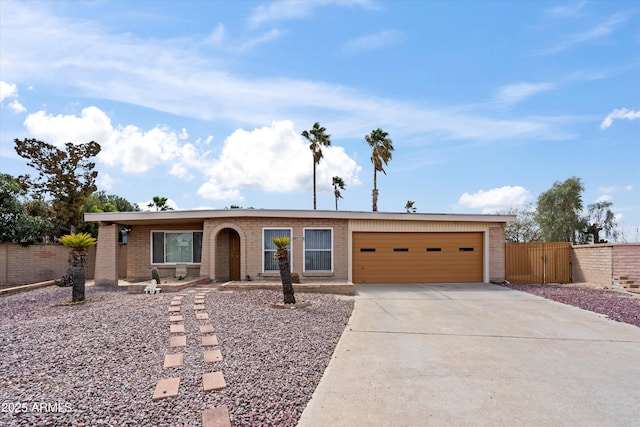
<point x="198" y="216"/>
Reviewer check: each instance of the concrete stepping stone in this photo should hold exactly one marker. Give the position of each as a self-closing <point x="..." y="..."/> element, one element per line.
<point x="167" y="387"/>
<point x="178" y="341"/>
<point x="176" y="329"/>
<point x="198" y="307"/>
<point x="212" y="356"/>
<point x="174" y="309"/>
<point x="213" y="381"/>
<point x="198" y="300"/>
<point x="173" y="303"/>
<point x="202" y="316"/>
<point x="209" y="340"/>
<point x="206" y="329"/>
<point x="216" y="417"/>
<point x="176" y="318"/>
<point x="173" y="360"/>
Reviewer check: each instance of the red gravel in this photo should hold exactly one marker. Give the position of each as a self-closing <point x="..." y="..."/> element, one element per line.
<point x="615" y="305"/>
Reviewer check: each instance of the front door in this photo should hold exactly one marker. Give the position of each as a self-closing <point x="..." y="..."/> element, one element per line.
<point x="234" y="255"/>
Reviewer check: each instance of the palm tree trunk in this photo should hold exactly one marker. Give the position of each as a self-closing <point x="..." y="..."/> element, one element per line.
<point x="285" y="275"/>
<point x="375" y="191"/>
<point x="314" y="183"/>
<point x="77" y="267"/>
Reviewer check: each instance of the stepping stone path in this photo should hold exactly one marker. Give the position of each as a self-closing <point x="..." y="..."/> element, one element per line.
<point x="211" y="381"/>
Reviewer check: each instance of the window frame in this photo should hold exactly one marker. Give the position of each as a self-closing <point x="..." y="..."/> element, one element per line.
<point x="164" y="246"/>
<point x="264" y="249"/>
<point x="304" y="250"/>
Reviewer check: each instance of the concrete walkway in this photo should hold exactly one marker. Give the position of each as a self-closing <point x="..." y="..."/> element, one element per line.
<point x="476" y="355"/>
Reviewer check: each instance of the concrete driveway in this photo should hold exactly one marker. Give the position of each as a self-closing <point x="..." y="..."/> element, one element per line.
<point x="477" y="354"/>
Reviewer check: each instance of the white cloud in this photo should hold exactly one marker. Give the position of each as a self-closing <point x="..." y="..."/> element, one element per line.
<point x="628" y="187"/>
<point x="273" y="159"/>
<point x="496" y="199"/>
<point x="128" y="147"/>
<point x="514" y="93"/>
<point x="375" y="41"/>
<point x="10" y="91"/>
<point x="7" y="90"/>
<point x="604" y="198"/>
<point x="106" y="181"/>
<point x="296" y="9"/>
<point x="601" y="30"/>
<point x="621" y="113"/>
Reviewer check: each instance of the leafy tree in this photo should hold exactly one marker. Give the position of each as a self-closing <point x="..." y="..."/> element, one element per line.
<point x="17" y="222"/>
<point x="559" y="212"/>
<point x="282" y="255"/>
<point x="409" y="207"/>
<point x="67" y="176"/>
<point x="100" y="201"/>
<point x="78" y="243"/>
<point x="601" y="218"/>
<point x="338" y="184"/>
<point x="160" y="203"/>
<point x="525" y="228"/>
<point x="381" y="150"/>
<point x="317" y="138"/>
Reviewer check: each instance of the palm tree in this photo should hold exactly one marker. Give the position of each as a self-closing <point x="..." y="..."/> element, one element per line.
<point x="160" y="203"/>
<point x="282" y="255"/>
<point x="317" y="138"/>
<point x="381" y="148"/>
<point x="409" y="206"/>
<point x="338" y="184"/>
<point x="77" y="261"/>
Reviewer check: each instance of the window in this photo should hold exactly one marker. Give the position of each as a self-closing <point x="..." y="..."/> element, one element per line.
<point x="269" y="264"/>
<point x="171" y="247"/>
<point x="318" y="249"/>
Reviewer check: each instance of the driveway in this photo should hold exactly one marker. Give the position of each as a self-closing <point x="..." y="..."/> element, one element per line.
<point x="476" y="354"/>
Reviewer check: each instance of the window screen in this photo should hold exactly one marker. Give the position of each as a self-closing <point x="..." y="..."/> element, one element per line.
<point x="318" y="249"/>
<point x="269" y="263"/>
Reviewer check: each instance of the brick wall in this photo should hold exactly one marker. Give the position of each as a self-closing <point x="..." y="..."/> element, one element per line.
<point x="251" y="255"/>
<point x="626" y="260"/>
<point x="20" y="265"/>
<point x="496" y="252"/>
<point x="599" y="263"/>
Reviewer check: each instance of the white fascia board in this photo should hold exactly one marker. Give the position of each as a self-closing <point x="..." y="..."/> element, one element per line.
<point x="152" y="216"/>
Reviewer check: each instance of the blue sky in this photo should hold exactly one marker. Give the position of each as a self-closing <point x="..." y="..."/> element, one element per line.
<point x="488" y="103"/>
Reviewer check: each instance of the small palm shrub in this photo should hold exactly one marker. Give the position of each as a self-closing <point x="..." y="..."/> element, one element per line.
<point x="78" y="243"/>
<point x="282" y="255"/>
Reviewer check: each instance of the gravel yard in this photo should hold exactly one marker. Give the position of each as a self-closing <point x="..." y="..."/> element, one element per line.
<point x="616" y="305"/>
<point x="98" y="363"/>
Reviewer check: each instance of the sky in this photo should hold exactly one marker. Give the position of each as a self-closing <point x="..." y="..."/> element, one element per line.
<point x="488" y="103"/>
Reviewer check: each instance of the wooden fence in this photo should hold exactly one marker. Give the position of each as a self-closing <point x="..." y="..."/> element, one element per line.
<point x="538" y="263"/>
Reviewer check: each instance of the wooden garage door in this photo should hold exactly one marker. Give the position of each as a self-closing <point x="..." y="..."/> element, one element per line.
<point x="385" y="257"/>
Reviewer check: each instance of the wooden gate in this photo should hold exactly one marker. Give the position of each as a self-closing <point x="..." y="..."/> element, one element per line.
<point x="538" y="263"/>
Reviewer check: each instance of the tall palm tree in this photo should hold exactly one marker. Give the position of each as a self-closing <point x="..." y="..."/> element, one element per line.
<point x="317" y="138"/>
<point x="381" y="148"/>
<point x="160" y="203"/>
<point x="338" y="184"/>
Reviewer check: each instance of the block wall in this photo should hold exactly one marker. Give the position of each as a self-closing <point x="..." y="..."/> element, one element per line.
<point x="626" y="261"/>
<point x="250" y="230"/>
<point x="592" y="263"/>
<point x="21" y="265"/>
<point x="496" y="252"/>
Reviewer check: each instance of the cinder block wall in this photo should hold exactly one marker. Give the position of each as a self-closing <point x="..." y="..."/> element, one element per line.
<point x="592" y="263"/>
<point x="626" y="260"/>
<point x="20" y="265"/>
<point x="496" y="253"/>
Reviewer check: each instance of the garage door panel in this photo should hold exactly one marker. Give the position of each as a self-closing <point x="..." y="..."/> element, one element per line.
<point x="395" y="257"/>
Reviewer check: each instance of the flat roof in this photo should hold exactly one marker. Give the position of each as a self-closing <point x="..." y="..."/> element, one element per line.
<point x="194" y="216"/>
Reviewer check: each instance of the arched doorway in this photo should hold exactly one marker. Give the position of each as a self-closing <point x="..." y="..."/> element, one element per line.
<point x="227" y="255"/>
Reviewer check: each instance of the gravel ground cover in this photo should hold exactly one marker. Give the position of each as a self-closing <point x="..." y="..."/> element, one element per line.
<point x="616" y="305"/>
<point x="97" y="363"/>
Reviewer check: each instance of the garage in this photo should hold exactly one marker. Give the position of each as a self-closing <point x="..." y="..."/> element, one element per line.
<point x="417" y="257"/>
